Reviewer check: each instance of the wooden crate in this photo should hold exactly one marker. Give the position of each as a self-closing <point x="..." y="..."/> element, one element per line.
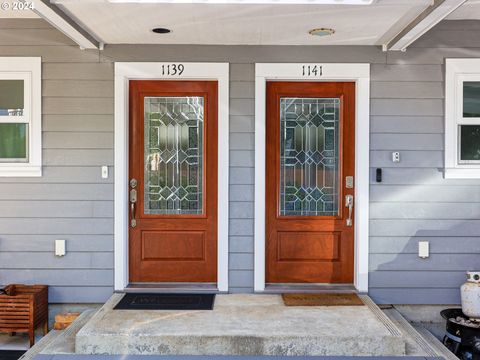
<point x="23" y="308"/>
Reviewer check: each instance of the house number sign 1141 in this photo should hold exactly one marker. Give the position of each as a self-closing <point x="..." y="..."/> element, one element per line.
<point x="312" y="70"/>
<point x="172" y="69"/>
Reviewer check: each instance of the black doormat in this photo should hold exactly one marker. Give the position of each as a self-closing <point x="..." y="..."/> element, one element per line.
<point x="11" y="354"/>
<point x="145" y="301"/>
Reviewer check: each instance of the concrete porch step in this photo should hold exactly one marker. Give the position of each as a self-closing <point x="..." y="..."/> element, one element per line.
<point x="246" y="324"/>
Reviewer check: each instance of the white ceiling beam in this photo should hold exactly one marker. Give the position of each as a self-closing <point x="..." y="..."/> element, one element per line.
<point x="430" y="17"/>
<point x="57" y="18"/>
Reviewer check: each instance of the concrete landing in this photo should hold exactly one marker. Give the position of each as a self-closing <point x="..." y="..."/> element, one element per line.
<point x="241" y="325"/>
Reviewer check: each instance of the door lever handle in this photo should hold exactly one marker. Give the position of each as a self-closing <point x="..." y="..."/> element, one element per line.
<point x="349" y="205"/>
<point x="133" y="202"/>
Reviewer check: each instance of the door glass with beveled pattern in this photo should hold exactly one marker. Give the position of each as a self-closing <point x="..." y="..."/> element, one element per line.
<point x="309" y="153"/>
<point x="173" y="155"/>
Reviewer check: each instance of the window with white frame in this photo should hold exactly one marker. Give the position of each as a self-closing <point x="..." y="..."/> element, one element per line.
<point x="20" y="116"/>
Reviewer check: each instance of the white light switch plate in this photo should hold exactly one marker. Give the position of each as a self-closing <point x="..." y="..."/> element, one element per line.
<point x="423" y="249"/>
<point x="104" y="172"/>
<point x="59" y="247"/>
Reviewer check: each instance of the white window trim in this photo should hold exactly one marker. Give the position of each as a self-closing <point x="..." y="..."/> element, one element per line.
<point x="28" y="69"/>
<point x="358" y="73"/>
<point x="458" y="71"/>
<point x="125" y="71"/>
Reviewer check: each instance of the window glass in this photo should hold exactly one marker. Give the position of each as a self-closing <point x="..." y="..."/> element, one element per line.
<point x="11" y="97"/>
<point x="471" y="99"/>
<point x="13" y="142"/>
<point x="469" y="142"/>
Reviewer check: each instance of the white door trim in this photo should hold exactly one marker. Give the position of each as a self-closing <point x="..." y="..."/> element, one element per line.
<point x="125" y="71"/>
<point x="358" y="73"/>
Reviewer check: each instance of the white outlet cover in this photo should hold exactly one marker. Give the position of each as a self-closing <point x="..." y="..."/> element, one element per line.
<point x="59" y="247"/>
<point x="423" y="249"/>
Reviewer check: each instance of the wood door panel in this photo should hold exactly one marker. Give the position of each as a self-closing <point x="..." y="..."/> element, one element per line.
<point x="173" y="245"/>
<point x="165" y="245"/>
<point x="311" y="246"/>
<point x="306" y="248"/>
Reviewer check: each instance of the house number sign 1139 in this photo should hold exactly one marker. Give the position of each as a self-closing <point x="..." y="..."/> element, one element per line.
<point x="172" y="69"/>
<point x="312" y="70"/>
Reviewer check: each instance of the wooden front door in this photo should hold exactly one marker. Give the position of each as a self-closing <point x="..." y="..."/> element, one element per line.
<point x="310" y="164"/>
<point x="173" y="181"/>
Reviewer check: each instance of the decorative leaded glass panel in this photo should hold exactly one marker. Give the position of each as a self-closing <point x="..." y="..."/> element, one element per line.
<point x="174" y="155"/>
<point x="309" y="145"/>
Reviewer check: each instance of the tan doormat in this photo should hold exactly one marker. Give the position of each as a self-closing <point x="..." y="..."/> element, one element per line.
<point x="321" y="300"/>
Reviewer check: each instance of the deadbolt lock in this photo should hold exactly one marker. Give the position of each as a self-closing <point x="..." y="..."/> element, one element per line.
<point x="349" y="182"/>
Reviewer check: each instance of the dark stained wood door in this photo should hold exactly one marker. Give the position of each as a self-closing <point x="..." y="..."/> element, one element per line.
<point x="173" y="176"/>
<point x="310" y="152"/>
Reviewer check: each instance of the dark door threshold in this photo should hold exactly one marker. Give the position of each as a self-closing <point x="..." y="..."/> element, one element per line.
<point x="310" y="288"/>
<point x="168" y="288"/>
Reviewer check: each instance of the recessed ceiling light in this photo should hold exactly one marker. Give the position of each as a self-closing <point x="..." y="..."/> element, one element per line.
<point x="321" y="32"/>
<point x="161" y="30"/>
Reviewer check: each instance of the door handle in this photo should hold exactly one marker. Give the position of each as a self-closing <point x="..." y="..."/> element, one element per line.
<point x="133" y="202"/>
<point x="349" y="205"/>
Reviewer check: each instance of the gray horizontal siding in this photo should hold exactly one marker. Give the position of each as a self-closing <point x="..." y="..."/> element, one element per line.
<point x="242" y="146"/>
<point x="400" y="262"/>
<point x="422" y="193"/>
<point x="398" y="227"/>
<point x="244" y="54"/>
<point x="438" y="244"/>
<point x="49" y="226"/>
<point x="417" y="176"/>
<point x="77" y="123"/>
<point x="83" y="277"/>
<point x="409" y="142"/>
<point x="417" y="279"/>
<point x="76" y="260"/>
<point x="79" y="294"/>
<point x="415" y="296"/>
<point x="407" y="90"/>
<point x="56" y="209"/>
<point x="70" y="201"/>
<point x="426" y="210"/>
<point x="39" y="191"/>
<point x="24" y="37"/>
<point x="406" y="72"/>
<point x="14" y="243"/>
<point x="408" y="159"/>
<point x="414" y="202"/>
<point x="66" y="174"/>
<point x="77" y="88"/>
<point x="78" y="157"/>
<point x="393" y="124"/>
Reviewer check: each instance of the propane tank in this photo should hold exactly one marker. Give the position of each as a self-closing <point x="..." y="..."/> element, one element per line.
<point x="470" y="294"/>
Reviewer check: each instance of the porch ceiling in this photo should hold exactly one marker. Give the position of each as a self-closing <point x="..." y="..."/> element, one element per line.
<point x="242" y="24"/>
<point x="469" y="11"/>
